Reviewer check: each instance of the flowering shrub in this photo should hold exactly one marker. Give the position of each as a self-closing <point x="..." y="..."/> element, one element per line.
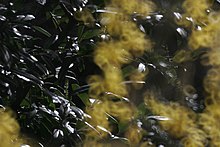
<point x="110" y="73"/>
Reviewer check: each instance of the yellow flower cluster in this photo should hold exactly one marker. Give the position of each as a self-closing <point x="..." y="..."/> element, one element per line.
<point x="138" y="76"/>
<point x="194" y="130"/>
<point x="9" y="130"/>
<point x="130" y="6"/>
<point x="181" y="122"/>
<point x="210" y="123"/>
<point x="127" y="41"/>
<point x="85" y="16"/>
<point x="203" y="22"/>
<point x="210" y="118"/>
<point x="99" y="115"/>
<point x="195" y="12"/>
<point x="112" y="81"/>
<point x="116" y="143"/>
<point x="134" y="134"/>
<point x="208" y="36"/>
<point x="95" y="143"/>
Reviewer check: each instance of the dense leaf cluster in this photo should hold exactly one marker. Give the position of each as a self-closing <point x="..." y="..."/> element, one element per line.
<point x="44" y="53"/>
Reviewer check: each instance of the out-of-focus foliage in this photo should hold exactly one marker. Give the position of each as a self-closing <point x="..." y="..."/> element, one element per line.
<point x="110" y="73"/>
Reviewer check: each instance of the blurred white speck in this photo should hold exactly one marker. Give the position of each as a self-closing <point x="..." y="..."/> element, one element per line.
<point x="104" y="37"/>
<point x="25" y="145"/>
<point x="105" y="130"/>
<point x="152" y="65"/>
<point x="71" y="65"/>
<point x="92" y="100"/>
<point x="75" y="46"/>
<point x="40" y="144"/>
<point x="141" y="67"/>
<point x="158" y="117"/>
<point x="97" y="24"/>
<point x="148" y="17"/>
<point x="24" y="78"/>
<point x="106" y="11"/>
<point x="42" y="2"/>
<point x="2" y="18"/>
<point x="139" y="124"/>
<point x="70" y="128"/>
<point x="16" y="32"/>
<point x="169" y="74"/>
<point x="163" y="64"/>
<point x="33" y="58"/>
<point x="142" y="28"/>
<point x="189" y="19"/>
<point x="182" y="32"/>
<point x="159" y="17"/>
<point x="199" y="28"/>
<point x="177" y="15"/>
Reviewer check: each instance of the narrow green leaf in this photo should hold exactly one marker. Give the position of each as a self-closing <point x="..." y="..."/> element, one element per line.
<point x="41" y="30"/>
<point x="90" y="34"/>
<point x="84" y="97"/>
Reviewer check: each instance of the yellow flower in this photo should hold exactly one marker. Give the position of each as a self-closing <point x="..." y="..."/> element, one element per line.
<point x="181" y="123"/>
<point x="9" y="130"/>
<point x="135" y="42"/>
<point x="96" y="86"/>
<point x="127" y="41"/>
<point x="131" y="6"/>
<point x="110" y="54"/>
<point x="112" y="20"/>
<point x="121" y="110"/>
<point x="94" y="143"/>
<point x="128" y="36"/>
<point x="197" y="10"/>
<point x="212" y="57"/>
<point x="85" y="16"/>
<point x="138" y="76"/>
<point x="207" y="37"/>
<point x="99" y="110"/>
<point x="134" y="135"/>
<point x="98" y="118"/>
<point x="113" y="82"/>
<point x="210" y="123"/>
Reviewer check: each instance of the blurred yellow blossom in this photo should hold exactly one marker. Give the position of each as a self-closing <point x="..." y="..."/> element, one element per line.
<point x="109" y="50"/>
<point x="210" y="123"/>
<point x="127" y="41"/>
<point x="131" y="6"/>
<point x="85" y="16"/>
<point x="181" y="122"/>
<point x="195" y="12"/>
<point x="207" y="36"/>
<point x="9" y="130"/>
<point x="134" y="135"/>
